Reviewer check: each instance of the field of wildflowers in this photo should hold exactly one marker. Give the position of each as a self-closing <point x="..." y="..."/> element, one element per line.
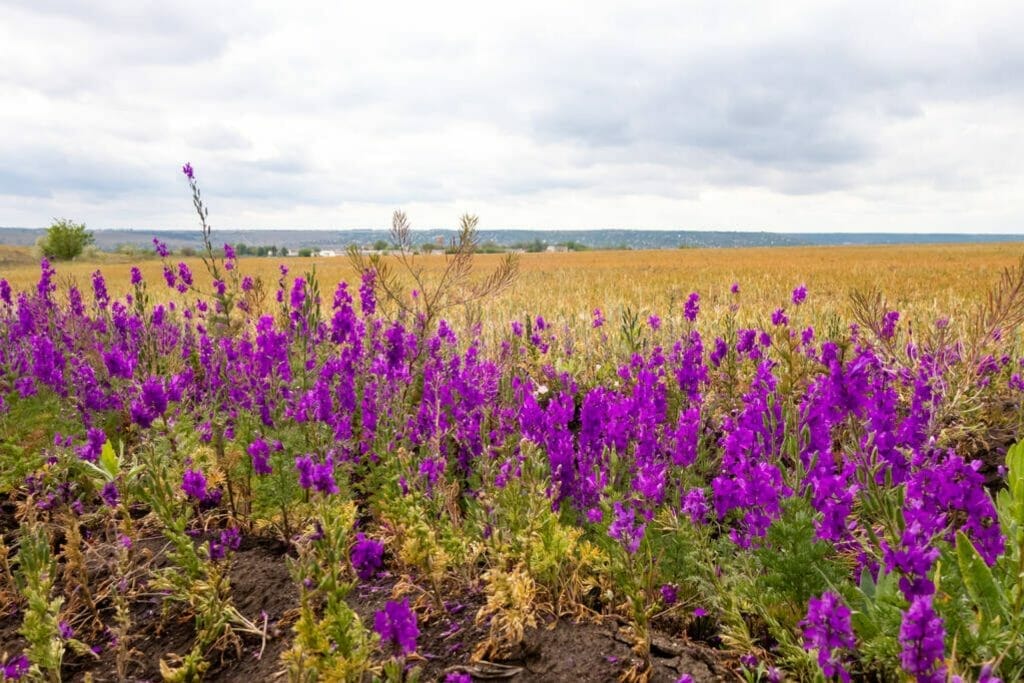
<point x="227" y="476"/>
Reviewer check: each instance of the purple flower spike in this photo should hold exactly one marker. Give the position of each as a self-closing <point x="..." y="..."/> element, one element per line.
<point x="921" y="635"/>
<point x="187" y="170"/>
<point x="396" y="625"/>
<point x="828" y="630"/>
<point x="366" y="556"/>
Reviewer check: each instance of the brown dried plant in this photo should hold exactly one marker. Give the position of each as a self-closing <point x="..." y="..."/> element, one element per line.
<point x="453" y="288"/>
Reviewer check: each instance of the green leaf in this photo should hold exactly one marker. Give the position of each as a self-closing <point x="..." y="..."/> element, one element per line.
<point x="1015" y="476"/>
<point x="981" y="585"/>
<point x="109" y="461"/>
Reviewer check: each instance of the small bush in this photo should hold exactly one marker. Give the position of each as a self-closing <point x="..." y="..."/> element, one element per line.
<point x="65" y="240"/>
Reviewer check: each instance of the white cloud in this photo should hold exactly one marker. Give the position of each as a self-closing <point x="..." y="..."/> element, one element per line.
<point x="578" y="114"/>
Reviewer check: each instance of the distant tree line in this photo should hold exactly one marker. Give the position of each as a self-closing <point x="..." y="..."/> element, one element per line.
<point x="261" y="250"/>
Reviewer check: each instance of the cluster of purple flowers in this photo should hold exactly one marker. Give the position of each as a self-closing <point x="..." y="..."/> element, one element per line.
<point x="396" y="625"/>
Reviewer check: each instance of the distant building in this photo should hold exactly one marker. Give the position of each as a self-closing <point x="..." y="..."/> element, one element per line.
<point x="328" y="252"/>
<point x="554" y="248"/>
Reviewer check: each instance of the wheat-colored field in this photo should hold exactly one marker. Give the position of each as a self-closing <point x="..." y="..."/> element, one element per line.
<point x="922" y="281"/>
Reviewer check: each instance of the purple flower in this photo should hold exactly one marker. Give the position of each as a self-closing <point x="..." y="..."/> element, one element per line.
<point x="366" y="556"/>
<point x="685" y="678"/>
<point x="259" y="451"/>
<point x="318" y="476"/>
<point x="15" y="668"/>
<point x="921" y="635"/>
<point x="65" y="631"/>
<point x="692" y="307"/>
<point x="828" y="630"/>
<point x="458" y="677"/>
<point x="625" y="529"/>
<point x="669" y="594"/>
<point x="735" y="288"/>
<point x="396" y="625"/>
<point x="193" y="483"/>
<point x="230" y="539"/>
<point x="779" y="317"/>
<point x="229" y="251"/>
<point x="110" y="495"/>
<point x="655" y="322"/>
<point x="799" y="294"/>
<point x="598" y="320"/>
<point x="187" y="170"/>
<point x="695" y="505"/>
<point x="367" y="296"/>
<point x="889" y="321"/>
<point x="160" y="248"/>
<point x="136" y="275"/>
<point x="90" y="451"/>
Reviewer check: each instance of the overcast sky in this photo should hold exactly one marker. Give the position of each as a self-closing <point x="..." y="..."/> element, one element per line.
<point x="794" y="116"/>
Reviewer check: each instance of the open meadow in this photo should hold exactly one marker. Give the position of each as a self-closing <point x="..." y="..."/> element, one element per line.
<point x="734" y="464"/>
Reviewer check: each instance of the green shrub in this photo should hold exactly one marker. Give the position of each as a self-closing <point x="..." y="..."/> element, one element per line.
<point x="65" y="240"/>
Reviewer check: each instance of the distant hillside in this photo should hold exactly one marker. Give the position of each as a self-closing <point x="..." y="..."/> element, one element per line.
<point x="109" y="240"/>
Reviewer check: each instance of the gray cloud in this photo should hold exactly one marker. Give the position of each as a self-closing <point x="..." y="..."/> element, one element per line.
<point x="665" y="115"/>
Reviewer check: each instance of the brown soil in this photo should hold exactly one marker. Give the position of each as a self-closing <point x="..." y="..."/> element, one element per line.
<point x="560" y="650"/>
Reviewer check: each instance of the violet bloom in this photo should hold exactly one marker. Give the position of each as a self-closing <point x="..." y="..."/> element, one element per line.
<point x="65" y="631"/>
<point x="921" y="635"/>
<point x="694" y="504"/>
<point x="187" y="170"/>
<point x="779" y="317"/>
<point x="625" y="529"/>
<point x="669" y="594"/>
<point x="193" y="483"/>
<point x="655" y="322"/>
<point x="396" y="625"/>
<point x="229" y="251"/>
<point x="889" y="321"/>
<point x="366" y="556"/>
<point x="692" y="307"/>
<point x="828" y="630"/>
<point x="259" y="451"/>
<point x="367" y="296"/>
<point x="15" y="668"/>
<point x="735" y="288"/>
<point x="298" y="296"/>
<point x="151" y="403"/>
<point x="136" y="276"/>
<point x="93" y="447"/>
<point x="318" y="476"/>
<point x="799" y="295"/>
<point x="160" y="248"/>
<point x="110" y="495"/>
<point x="230" y="539"/>
<point x="458" y="677"/>
<point x="598" y="320"/>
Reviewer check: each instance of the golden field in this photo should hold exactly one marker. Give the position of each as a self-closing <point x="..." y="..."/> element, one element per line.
<point x="923" y="282"/>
